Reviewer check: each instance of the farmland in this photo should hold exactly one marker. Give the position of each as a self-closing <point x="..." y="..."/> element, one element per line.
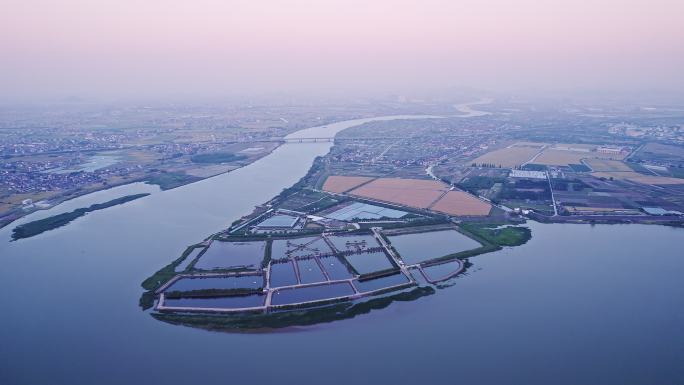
<point x="460" y="203"/>
<point x="604" y="165"/>
<point x="511" y="156"/>
<point x="340" y="184"/>
<point x="410" y="192"/>
<point x="541" y="153"/>
<point x="418" y="193"/>
<point x="639" y="178"/>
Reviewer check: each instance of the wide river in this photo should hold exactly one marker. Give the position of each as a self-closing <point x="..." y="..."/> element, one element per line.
<point x="576" y="305"/>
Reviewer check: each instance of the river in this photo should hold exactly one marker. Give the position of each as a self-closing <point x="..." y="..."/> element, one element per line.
<point x="576" y="305"/>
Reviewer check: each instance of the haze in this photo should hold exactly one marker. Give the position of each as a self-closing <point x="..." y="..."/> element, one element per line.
<point x="212" y="48"/>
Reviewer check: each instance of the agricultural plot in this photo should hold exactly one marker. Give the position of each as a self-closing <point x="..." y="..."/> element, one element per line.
<point x="511" y="156"/>
<point x="461" y="204"/>
<point x="417" y="193"/>
<point x="229" y="255"/>
<point x="340" y="184"/>
<point x="557" y="155"/>
<point x="606" y="165"/>
<point x="639" y="178"/>
<point x="661" y="153"/>
<point x="551" y="157"/>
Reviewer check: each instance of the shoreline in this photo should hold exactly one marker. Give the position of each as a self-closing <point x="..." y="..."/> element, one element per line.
<point x="58" y="200"/>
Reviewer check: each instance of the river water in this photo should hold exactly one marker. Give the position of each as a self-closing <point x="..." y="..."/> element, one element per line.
<point x="576" y="305"/>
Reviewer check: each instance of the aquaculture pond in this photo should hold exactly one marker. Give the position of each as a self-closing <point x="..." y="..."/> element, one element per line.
<point x="420" y="247"/>
<point x="234" y="282"/>
<point x="380" y="283"/>
<point x="354" y="242"/>
<point x="309" y="272"/>
<point x="299" y="247"/>
<point x="365" y="263"/>
<point x="311" y="293"/>
<point x="335" y="268"/>
<point x="282" y="274"/>
<point x="232" y="254"/>
<point x="443" y="270"/>
<point x="229" y="302"/>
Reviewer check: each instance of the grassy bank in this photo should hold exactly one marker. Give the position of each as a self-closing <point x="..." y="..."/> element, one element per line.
<point x="506" y="236"/>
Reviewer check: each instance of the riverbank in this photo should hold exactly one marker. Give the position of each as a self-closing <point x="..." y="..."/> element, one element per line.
<point x="166" y="180"/>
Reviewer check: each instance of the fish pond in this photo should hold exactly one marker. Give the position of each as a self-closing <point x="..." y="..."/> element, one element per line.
<point x="420" y="247"/>
<point x="228" y="302"/>
<point x="226" y="255"/>
<point x="221" y="283"/>
<point x="311" y="293"/>
<point x="381" y="283"/>
<point x="365" y="263"/>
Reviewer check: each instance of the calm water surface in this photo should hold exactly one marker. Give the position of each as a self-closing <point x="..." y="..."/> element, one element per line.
<point x="576" y="305"/>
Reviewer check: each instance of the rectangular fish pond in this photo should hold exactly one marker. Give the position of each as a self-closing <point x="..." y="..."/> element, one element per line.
<point x="309" y="272"/>
<point x="421" y="247"/>
<point x="365" y="263"/>
<point x="311" y="293"/>
<point x="227" y="255"/>
<point x="381" y="283"/>
<point x="335" y="268"/>
<point x="282" y="274"/>
<point x="221" y="283"/>
<point x="229" y="302"/>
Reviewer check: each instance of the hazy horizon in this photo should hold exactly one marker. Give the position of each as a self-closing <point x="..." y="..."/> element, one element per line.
<point x="205" y="49"/>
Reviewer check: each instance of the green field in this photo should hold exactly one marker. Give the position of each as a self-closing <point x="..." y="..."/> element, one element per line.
<point x="506" y="236"/>
<point x="216" y="157"/>
<point x="169" y="180"/>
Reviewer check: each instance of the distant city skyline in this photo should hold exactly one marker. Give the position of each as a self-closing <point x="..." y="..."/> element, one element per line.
<point x="157" y="49"/>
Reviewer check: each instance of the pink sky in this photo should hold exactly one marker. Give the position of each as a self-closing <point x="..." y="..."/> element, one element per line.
<point x="206" y="47"/>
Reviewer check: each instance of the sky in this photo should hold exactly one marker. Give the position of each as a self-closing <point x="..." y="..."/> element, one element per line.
<point x="206" y="48"/>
